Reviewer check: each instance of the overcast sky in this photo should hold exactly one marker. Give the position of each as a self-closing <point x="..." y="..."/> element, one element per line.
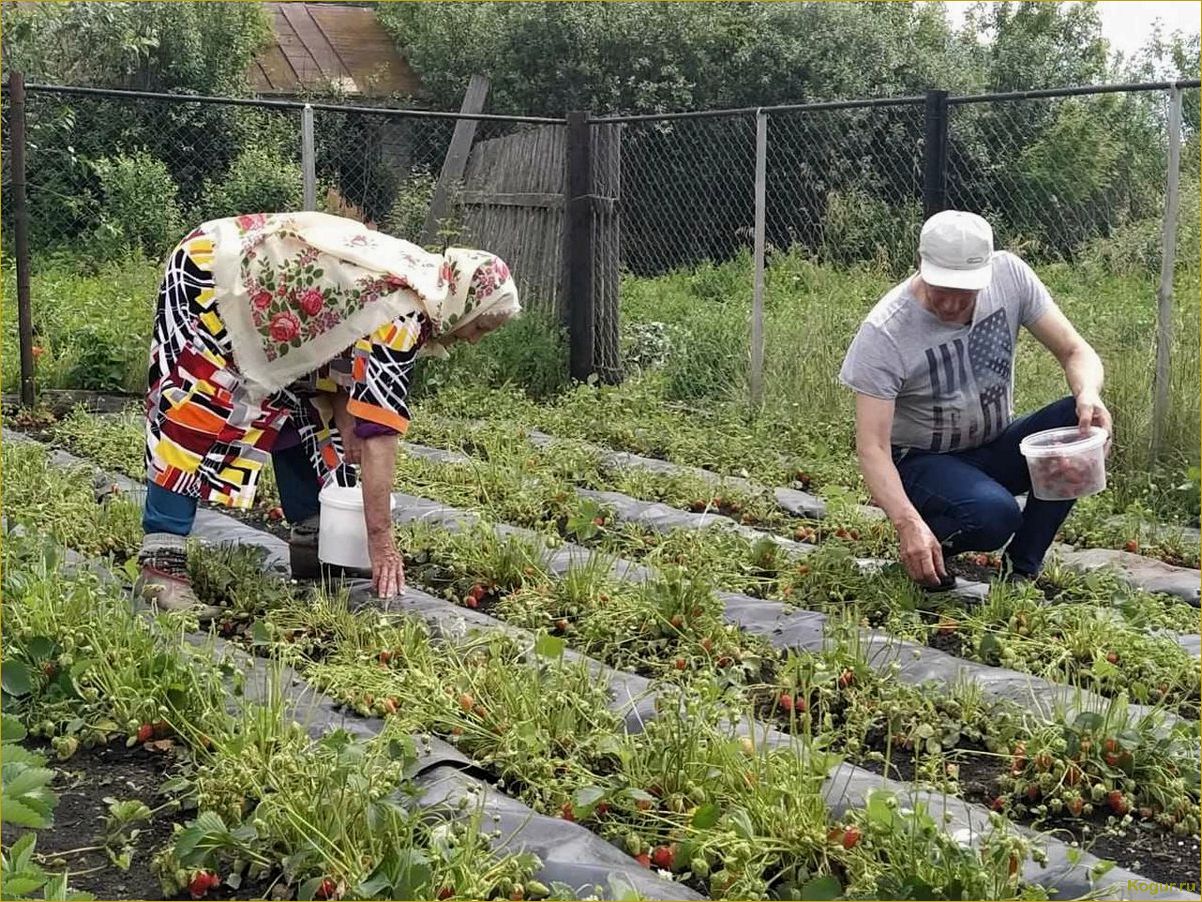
<point x="1126" y="24"/>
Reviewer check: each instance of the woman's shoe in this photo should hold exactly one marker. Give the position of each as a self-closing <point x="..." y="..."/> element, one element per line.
<point x="164" y="582"/>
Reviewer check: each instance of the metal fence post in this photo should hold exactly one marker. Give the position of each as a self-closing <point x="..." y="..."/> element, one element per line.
<point x="934" y="171"/>
<point x="1164" y="293"/>
<point x="308" y="160"/>
<point x="16" y="93"/>
<point x="578" y="253"/>
<point x="757" y="296"/>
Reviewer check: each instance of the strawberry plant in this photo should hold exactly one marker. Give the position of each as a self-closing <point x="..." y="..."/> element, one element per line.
<point x="61" y="504"/>
<point x="1137" y="769"/>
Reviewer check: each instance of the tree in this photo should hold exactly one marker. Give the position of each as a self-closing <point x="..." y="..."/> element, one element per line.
<point x="171" y="47"/>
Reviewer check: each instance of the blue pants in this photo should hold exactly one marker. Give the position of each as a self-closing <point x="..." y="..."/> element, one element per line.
<point x="967" y="497"/>
<point x="167" y="511"/>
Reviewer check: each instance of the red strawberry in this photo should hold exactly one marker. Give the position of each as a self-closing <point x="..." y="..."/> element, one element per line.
<point x="1112" y="657"/>
<point x="1032" y="792"/>
<point x="466" y="702"/>
<point x="385" y="656"/>
<point x="1118" y="802"/>
<point x="275" y="514"/>
<point x="851" y="837"/>
<point x="598" y="521"/>
<point x="677" y="620"/>
<point x="327" y="889"/>
<point x="1132" y="546"/>
<point x="663" y="856"/>
<point x="389" y="706"/>
<point x="567" y="813"/>
<point x="644" y="860"/>
<point x="725" y="661"/>
<point x="998" y="804"/>
<point x="202" y="882"/>
<point x="445" y="893"/>
<point x="602" y="809"/>
<point x="562" y="625"/>
<point x="680" y="663"/>
<point x="786" y="702"/>
<point x="472" y="603"/>
<point x="145" y="733"/>
<point x="846" y="678"/>
<point x="1018" y="760"/>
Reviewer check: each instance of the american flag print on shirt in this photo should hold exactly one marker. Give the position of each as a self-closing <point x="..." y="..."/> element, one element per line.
<point x="989" y="352"/>
<point x="991" y="356"/>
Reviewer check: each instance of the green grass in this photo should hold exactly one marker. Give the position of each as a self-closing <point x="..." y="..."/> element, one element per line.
<point x="92" y="324"/>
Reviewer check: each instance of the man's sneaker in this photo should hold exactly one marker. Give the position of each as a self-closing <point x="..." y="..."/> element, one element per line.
<point x="165" y="584"/>
<point x="1015" y="577"/>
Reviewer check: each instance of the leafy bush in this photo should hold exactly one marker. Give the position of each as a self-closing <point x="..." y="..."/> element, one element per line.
<point x="407" y="217"/>
<point x="859" y="227"/>
<point x="261" y="180"/>
<point x="1135" y="247"/>
<point x="140" y="209"/>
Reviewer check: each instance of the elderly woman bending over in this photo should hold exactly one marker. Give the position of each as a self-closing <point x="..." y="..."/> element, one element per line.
<point x="295" y="335"/>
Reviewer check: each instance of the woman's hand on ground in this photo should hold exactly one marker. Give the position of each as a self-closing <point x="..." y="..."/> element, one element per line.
<point x="387" y="566"/>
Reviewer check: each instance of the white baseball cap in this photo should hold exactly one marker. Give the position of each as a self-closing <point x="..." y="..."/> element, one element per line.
<point x="956" y="251"/>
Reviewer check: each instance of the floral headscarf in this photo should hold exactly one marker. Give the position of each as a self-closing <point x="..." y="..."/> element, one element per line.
<point x="294" y="290"/>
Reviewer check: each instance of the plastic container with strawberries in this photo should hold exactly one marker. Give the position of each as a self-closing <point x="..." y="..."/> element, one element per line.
<point x="1066" y="463"/>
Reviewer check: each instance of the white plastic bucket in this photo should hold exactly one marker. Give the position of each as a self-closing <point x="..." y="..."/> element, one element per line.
<point x="342" y="540"/>
<point x="1066" y="464"/>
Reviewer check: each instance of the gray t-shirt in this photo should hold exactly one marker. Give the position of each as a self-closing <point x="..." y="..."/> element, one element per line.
<point x="952" y="385"/>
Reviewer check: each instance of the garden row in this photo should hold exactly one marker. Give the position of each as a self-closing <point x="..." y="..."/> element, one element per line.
<point x="819" y="689"/>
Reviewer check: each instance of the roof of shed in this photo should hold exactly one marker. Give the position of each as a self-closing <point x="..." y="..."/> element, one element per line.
<point x="319" y="46"/>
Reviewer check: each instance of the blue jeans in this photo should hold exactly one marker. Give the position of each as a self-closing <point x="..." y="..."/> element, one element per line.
<point x="967" y="497"/>
<point x="169" y="512"/>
